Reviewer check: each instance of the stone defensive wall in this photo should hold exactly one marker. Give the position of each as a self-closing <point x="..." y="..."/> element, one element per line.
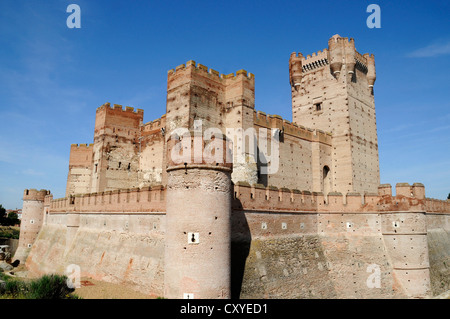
<point x="115" y="236"/>
<point x="334" y="245"/>
<point x="284" y="243"/>
<point x="146" y="199"/>
<point x="154" y="126"/>
<point x="261" y="119"/>
<point x="259" y="197"/>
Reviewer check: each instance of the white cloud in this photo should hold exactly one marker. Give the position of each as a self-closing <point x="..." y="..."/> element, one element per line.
<point x="431" y="50"/>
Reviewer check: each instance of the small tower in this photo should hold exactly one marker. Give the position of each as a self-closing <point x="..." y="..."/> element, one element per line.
<point x="332" y="90"/>
<point x="32" y="221"/>
<point x="405" y="238"/>
<point x="198" y="212"/>
<point x="115" y="157"/>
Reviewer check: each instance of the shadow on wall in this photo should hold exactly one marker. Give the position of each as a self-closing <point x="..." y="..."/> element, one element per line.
<point x="240" y="247"/>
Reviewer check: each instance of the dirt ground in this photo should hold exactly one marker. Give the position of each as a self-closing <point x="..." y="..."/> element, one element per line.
<point x="95" y="289"/>
<point x="91" y="288"/>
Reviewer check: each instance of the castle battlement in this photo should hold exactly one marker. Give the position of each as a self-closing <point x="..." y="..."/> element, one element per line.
<point x="289" y="128"/>
<point x="145" y="199"/>
<point x="437" y="205"/>
<point x="81" y="145"/>
<point x="270" y="198"/>
<point x="248" y="197"/>
<point x="210" y="72"/>
<point x="118" y="107"/>
<point x="361" y="58"/>
<point x="321" y="54"/>
<point x="34" y="194"/>
<point x="155" y="125"/>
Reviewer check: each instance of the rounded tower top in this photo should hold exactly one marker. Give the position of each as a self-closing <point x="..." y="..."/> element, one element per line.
<point x="189" y="150"/>
<point x="34" y="194"/>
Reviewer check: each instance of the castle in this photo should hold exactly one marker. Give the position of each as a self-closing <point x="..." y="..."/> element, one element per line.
<point x="262" y="208"/>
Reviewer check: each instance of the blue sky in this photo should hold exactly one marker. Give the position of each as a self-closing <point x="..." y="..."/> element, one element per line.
<point x="52" y="78"/>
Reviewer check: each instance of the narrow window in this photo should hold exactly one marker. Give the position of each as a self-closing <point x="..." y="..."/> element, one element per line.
<point x="318" y="106"/>
<point x="120" y="164"/>
<point x="326" y="180"/>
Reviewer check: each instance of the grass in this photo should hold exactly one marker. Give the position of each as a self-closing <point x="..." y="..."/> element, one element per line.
<point x="9" y="232"/>
<point x="46" y="287"/>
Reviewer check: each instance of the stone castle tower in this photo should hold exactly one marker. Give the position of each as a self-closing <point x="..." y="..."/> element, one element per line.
<point x="333" y="91"/>
<point x="198" y="214"/>
<point x="199" y="185"/>
<point x="33" y="213"/>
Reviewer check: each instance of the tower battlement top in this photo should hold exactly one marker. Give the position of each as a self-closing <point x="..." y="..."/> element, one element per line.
<point x="118" y="107"/>
<point x="34" y="194"/>
<point x="197" y="67"/>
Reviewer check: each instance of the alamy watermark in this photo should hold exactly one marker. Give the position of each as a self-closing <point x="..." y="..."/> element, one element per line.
<point x="374" y="279"/>
<point x="73" y="273"/>
<point x="374" y="19"/>
<point x="241" y="146"/>
<point x="74" y="19"/>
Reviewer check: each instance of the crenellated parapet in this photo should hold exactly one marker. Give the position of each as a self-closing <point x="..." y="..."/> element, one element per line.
<point x="211" y="73"/>
<point x="117" y="123"/>
<point x="220" y="89"/>
<point x="35" y="195"/>
<point x="80" y="155"/>
<point x="118" y="107"/>
<point x="437" y="206"/>
<point x="155" y="125"/>
<point x="145" y="199"/>
<point x="274" y="121"/>
<point x="315" y="60"/>
<point x="260" y="198"/>
<point x="341" y="52"/>
<point x="81" y="146"/>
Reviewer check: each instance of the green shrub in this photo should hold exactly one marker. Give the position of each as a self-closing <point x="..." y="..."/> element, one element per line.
<point x="14" y="289"/>
<point x="46" y="287"/>
<point x="50" y="287"/>
<point x="9" y="232"/>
